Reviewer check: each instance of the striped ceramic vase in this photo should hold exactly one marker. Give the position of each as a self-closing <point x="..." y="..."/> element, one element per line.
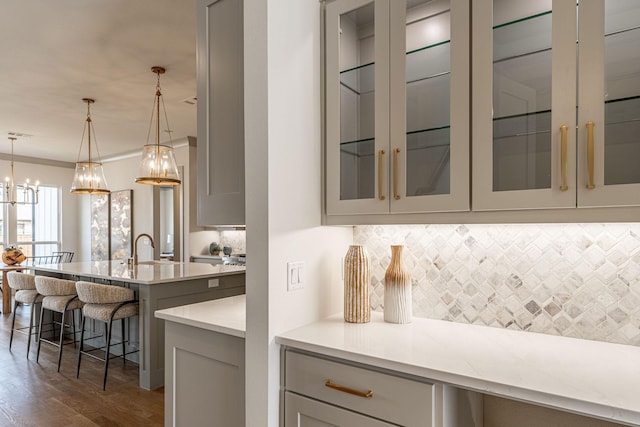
<point x="356" y="285"/>
<point x="397" y="289"/>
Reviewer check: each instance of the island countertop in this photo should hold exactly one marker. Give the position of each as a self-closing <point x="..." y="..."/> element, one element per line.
<point x="146" y="272"/>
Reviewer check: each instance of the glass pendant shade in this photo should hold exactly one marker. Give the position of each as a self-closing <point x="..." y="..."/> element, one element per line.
<point x="88" y="177"/>
<point x="158" y="165"/>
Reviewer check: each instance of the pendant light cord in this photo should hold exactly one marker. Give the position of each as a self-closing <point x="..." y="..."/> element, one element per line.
<point x="155" y="112"/>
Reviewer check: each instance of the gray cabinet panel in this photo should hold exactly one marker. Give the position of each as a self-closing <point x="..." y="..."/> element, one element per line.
<point x="220" y="69"/>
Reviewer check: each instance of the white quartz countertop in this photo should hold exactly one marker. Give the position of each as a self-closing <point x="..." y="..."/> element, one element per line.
<point x="588" y="377"/>
<point x="146" y="272"/>
<point x="225" y="315"/>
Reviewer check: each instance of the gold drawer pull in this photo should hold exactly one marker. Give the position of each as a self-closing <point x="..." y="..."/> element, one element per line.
<point x="380" y="195"/>
<point x="590" y="155"/>
<point x="396" y="196"/>
<point x="563" y="157"/>
<point x="366" y="394"/>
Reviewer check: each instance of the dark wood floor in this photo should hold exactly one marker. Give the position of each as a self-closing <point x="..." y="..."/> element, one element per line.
<point x="34" y="394"/>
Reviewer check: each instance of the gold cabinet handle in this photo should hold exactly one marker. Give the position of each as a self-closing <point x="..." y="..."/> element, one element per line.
<point x="380" y="195"/>
<point x="563" y="157"/>
<point x="365" y="394"/>
<point x="590" y="155"/>
<point x="395" y="174"/>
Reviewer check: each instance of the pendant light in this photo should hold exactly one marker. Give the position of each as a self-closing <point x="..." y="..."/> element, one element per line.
<point x="89" y="176"/>
<point x="11" y="190"/>
<point x="158" y="165"/>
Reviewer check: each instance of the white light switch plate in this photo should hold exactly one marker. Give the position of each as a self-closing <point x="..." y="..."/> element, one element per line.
<point x="295" y="276"/>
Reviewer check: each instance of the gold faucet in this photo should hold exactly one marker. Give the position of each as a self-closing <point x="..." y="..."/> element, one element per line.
<point x="135" y="246"/>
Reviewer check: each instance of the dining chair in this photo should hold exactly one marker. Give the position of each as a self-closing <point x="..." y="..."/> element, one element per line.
<point x="105" y="303"/>
<point x="64" y="255"/>
<point x="43" y="259"/>
<point x="26" y="295"/>
<point x="59" y="296"/>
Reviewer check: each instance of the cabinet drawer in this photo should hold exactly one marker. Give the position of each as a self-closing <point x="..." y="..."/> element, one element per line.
<point x="303" y="412"/>
<point x="394" y="399"/>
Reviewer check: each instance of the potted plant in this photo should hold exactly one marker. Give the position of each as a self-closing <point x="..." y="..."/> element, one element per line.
<point x="214" y="248"/>
<point x="12" y="255"/>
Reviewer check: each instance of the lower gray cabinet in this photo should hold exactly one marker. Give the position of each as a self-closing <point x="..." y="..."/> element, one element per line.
<point x="357" y="390"/>
<point x="303" y="412"/>
<point x="323" y="391"/>
<point x="204" y="377"/>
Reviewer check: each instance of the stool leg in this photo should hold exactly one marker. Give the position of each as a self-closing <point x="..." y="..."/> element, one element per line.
<point x="13" y="322"/>
<point x="124" y="357"/>
<point x="40" y="332"/>
<point x="61" y="339"/>
<point x="32" y="308"/>
<point x="73" y="326"/>
<point x="81" y="347"/>
<point x="106" y="357"/>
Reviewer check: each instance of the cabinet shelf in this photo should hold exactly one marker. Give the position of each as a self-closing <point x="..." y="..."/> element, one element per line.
<point x="522" y="37"/>
<point x="522" y="125"/>
<point x="425" y="63"/>
<point x="422" y="139"/>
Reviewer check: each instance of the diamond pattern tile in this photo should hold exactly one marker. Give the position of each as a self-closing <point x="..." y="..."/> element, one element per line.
<point x="578" y="280"/>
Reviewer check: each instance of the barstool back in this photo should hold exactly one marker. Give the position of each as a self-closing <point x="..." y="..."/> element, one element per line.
<point x="26" y="294"/>
<point x="105" y="303"/>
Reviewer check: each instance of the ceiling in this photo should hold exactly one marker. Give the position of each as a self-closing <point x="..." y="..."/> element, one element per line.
<point x="54" y="53"/>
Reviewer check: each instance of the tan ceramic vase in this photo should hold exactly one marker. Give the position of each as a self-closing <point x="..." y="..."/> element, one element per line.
<point x="13" y="256"/>
<point x="397" y="290"/>
<point x="357" y="277"/>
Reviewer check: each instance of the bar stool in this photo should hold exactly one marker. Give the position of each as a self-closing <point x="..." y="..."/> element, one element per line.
<point x="60" y="297"/>
<point x="26" y="295"/>
<point x="105" y="303"/>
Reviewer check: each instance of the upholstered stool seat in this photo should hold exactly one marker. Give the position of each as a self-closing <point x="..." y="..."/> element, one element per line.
<point x="105" y="303"/>
<point x="61" y="303"/>
<point x="59" y="296"/>
<point x="26" y="295"/>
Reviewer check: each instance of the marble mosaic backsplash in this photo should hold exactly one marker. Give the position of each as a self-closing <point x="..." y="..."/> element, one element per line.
<point x="576" y="280"/>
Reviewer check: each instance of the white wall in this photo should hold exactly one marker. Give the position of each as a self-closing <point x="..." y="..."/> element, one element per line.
<point x="283" y="154"/>
<point x="53" y="176"/>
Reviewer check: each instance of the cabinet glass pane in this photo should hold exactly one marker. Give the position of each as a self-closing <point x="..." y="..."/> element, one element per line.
<point x="521" y="96"/>
<point x="428" y="72"/>
<point x="357" y="104"/>
<point x="622" y="92"/>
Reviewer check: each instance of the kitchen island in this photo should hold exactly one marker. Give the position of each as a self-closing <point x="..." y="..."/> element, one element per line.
<point x="158" y="285"/>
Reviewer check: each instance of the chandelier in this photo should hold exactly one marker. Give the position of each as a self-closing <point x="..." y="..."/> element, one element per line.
<point x="158" y="165"/>
<point x="12" y="191"/>
<point x="89" y="176"/>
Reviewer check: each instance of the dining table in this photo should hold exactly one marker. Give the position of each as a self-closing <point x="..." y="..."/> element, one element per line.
<point x="6" y="290"/>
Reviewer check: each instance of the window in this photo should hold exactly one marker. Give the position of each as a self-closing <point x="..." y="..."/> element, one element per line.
<point x="35" y="228"/>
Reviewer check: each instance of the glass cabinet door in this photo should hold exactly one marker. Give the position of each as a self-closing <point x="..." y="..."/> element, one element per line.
<point x="524" y="104"/>
<point x="429" y="51"/>
<point x="357" y="33"/>
<point x="609" y="102"/>
<point x="397" y="116"/>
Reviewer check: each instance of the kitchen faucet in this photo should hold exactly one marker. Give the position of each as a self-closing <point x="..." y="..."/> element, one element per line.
<point x="135" y="246"/>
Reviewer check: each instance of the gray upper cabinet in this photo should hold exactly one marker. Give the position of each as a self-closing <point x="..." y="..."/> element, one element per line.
<point x="397" y="102"/>
<point x="220" y="69"/>
<point x="555" y="122"/>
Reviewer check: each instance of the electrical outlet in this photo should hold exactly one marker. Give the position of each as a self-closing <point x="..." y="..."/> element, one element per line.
<point x="295" y="276"/>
